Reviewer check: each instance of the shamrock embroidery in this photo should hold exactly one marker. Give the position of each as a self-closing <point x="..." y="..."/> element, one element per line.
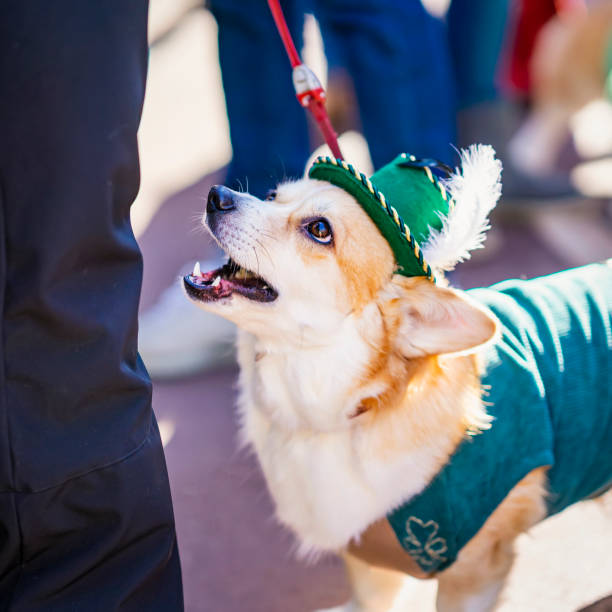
<point x="422" y="544"/>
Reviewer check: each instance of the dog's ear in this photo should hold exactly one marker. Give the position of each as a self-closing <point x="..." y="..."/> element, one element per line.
<point x="433" y="320"/>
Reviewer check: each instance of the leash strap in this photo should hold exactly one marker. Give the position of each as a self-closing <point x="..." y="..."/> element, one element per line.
<point x="308" y="88"/>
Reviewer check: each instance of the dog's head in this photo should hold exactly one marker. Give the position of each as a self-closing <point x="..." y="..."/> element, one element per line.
<point x="300" y="261"/>
<point x="308" y="258"/>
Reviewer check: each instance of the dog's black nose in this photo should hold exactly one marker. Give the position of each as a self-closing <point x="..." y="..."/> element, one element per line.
<point x="220" y="199"/>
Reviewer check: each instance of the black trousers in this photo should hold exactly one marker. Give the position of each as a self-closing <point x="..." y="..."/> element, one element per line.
<point x="86" y="518"/>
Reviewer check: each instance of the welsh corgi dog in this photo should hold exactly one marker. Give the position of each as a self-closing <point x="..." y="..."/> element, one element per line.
<point x="363" y="390"/>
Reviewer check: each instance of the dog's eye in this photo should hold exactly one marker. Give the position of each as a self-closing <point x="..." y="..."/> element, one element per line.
<point x="320" y="230"/>
<point x="271" y="195"/>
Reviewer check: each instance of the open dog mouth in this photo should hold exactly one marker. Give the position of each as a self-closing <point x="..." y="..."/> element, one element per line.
<point x="225" y="282"/>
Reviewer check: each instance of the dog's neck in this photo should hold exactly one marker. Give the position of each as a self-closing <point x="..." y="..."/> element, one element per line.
<point x="296" y="409"/>
<point x="311" y="387"/>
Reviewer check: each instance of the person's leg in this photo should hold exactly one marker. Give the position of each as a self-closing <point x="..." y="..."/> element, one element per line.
<point x="397" y="55"/>
<point x="86" y="519"/>
<point x="477" y="30"/>
<point x="267" y="126"/>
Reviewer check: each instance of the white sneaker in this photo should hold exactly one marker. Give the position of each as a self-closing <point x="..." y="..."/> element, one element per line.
<point x="176" y="338"/>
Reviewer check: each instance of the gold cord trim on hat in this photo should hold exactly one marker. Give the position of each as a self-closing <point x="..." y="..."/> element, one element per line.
<point x="390" y="210"/>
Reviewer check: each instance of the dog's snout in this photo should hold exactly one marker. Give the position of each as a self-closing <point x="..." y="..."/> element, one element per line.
<point x="220" y="199"/>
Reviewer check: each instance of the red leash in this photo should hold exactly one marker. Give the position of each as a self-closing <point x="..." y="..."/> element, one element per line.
<point x="308" y="89"/>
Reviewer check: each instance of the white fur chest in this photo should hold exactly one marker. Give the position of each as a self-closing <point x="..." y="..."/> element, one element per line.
<point x="328" y="481"/>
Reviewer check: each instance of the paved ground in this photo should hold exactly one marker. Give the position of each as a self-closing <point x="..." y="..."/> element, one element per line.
<point x="234" y="556"/>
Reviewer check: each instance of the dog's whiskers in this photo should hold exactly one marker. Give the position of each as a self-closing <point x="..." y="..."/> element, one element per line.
<point x="264" y="248"/>
<point x="269" y="235"/>
<point x="257" y="258"/>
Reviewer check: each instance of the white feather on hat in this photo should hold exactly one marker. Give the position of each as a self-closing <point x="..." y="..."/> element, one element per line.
<point x="475" y="189"/>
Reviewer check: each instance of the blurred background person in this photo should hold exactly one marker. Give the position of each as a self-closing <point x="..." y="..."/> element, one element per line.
<point x="561" y="68"/>
<point x="491" y="45"/>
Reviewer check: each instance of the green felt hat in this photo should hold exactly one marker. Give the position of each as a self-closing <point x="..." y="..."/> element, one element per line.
<point x="403" y="198"/>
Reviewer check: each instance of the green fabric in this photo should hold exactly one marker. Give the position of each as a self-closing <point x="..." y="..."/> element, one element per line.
<point x="414" y="196"/>
<point x="550" y="379"/>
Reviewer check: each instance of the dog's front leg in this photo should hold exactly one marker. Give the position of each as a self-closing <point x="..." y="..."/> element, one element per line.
<point x="458" y="593"/>
<point x="373" y="589"/>
<point x="378" y="569"/>
<point x="474" y="582"/>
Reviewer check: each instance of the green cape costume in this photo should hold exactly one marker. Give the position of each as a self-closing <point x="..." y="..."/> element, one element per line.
<point x="550" y="381"/>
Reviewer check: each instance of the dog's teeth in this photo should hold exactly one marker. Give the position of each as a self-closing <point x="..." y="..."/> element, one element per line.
<point x="196" y="269"/>
<point x="216" y="282"/>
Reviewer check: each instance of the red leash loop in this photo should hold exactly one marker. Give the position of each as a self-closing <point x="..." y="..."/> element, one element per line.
<point x="308" y="89"/>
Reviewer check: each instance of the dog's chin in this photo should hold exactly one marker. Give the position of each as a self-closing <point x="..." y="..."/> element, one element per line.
<point x="225" y="283"/>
